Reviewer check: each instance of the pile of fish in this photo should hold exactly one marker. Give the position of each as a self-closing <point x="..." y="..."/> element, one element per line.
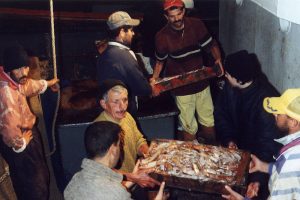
<point x="193" y="161"/>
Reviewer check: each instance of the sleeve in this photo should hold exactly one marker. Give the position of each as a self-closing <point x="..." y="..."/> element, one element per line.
<point x="125" y="69"/>
<point x="140" y="140"/>
<point x="134" y="79"/>
<point x="270" y="168"/>
<point x="9" y="118"/>
<point x="137" y="83"/>
<point x="33" y="87"/>
<point x="266" y="133"/>
<point x="205" y="39"/>
<point x="286" y="185"/>
<point x="161" y="51"/>
<point x="225" y="129"/>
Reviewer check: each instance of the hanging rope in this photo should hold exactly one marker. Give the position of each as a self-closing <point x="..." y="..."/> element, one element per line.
<point x="55" y="76"/>
<point x="53" y="39"/>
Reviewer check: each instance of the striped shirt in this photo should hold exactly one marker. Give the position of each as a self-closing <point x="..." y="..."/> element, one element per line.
<point x="181" y="51"/>
<point x="284" y="183"/>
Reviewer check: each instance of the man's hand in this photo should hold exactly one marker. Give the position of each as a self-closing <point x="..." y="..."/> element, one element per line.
<point x="233" y="195"/>
<point x="53" y="84"/>
<point x="143" y="150"/>
<point x="161" y="195"/>
<point x="141" y="177"/>
<point x="55" y="87"/>
<point x="27" y="135"/>
<point x="18" y="143"/>
<point x="232" y="145"/>
<point x="258" y="165"/>
<point x="252" y="190"/>
<point x="155" y="92"/>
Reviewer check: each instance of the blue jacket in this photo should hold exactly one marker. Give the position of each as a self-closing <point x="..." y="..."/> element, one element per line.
<point x="118" y="63"/>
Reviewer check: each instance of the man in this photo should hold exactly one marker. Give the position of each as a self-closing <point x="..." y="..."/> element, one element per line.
<point x="179" y="47"/>
<point x="21" y="144"/>
<point x="284" y="181"/>
<point x="119" y="62"/>
<point x="114" y="101"/>
<point x="97" y="180"/>
<point x="240" y="120"/>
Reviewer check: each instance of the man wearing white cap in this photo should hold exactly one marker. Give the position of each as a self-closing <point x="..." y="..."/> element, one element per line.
<point x="119" y="62"/>
<point x="284" y="180"/>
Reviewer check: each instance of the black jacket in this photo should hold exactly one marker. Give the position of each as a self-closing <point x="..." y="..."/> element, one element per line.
<point x="241" y="118"/>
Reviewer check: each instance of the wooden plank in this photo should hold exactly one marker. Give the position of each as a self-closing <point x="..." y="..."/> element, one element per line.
<point x="59" y="15"/>
<point x="170" y="83"/>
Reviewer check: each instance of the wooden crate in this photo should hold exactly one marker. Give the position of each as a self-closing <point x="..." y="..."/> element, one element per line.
<point x="200" y="185"/>
<point x="169" y="83"/>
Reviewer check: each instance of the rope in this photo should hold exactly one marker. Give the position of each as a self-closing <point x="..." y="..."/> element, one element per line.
<point x="55" y="76"/>
<point x="4" y="175"/>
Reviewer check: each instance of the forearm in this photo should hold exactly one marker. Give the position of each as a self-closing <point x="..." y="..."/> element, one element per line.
<point x="127" y="184"/>
<point x="143" y="150"/>
<point x="266" y="168"/>
<point x="157" y="69"/>
<point x="215" y="51"/>
<point x="51" y="82"/>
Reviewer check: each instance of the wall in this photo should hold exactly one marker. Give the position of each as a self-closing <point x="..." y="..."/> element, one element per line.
<point x="255" y="29"/>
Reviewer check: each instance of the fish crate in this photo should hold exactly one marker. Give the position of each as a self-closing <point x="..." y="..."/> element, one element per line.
<point x="197" y="167"/>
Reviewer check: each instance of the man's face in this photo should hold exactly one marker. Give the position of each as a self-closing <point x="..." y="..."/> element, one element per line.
<point x="117" y="104"/>
<point x="20" y="75"/>
<point x="282" y="123"/>
<point x="233" y="82"/>
<point x="127" y="36"/>
<point x="175" y="18"/>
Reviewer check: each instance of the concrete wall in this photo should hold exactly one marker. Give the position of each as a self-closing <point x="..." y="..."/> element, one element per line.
<point x="253" y="28"/>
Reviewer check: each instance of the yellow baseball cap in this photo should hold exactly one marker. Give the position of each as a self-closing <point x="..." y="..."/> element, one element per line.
<point x="288" y="103"/>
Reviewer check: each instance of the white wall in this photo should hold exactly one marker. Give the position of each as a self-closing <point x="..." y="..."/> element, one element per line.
<point x="253" y="28"/>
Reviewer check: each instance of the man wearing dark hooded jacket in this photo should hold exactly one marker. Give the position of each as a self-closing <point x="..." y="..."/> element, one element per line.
<point x="240" y="120"/>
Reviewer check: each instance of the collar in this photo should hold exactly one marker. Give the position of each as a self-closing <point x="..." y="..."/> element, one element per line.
<point x="110" y="118"/>
<point x="289" y="138"/>
<point x="118" y="44"/>
<point x="122" y="46"/>
<point x="250" y="87"/>
<point x="5" y="77"/>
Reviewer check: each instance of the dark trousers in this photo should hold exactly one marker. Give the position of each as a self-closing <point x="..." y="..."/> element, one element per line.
<point x="28" y="170"/>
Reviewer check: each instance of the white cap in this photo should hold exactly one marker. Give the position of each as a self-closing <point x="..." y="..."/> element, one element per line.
<point x="188" y="4"/>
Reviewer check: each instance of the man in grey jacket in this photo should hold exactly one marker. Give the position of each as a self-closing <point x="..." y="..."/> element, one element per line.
<point x="97" y="180"/>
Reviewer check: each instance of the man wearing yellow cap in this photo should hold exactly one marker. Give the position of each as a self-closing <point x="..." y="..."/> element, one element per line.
<point x="284" y="173"/>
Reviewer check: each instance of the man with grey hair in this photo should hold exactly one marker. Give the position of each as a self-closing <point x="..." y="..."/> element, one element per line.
<point x="114" y="100"/>
<point x="119" y="62"/>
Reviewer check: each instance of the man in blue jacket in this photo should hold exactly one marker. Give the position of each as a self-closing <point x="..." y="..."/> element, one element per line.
<point x="119" y="62"/>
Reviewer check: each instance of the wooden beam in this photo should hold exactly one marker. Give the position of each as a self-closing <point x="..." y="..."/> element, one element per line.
<point x="59" y="15"/>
